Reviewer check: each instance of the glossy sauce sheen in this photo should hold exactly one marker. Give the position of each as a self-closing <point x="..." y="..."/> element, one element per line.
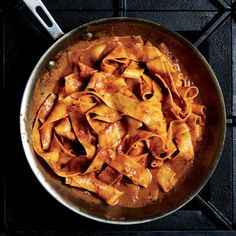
<point x="136" y="196"/>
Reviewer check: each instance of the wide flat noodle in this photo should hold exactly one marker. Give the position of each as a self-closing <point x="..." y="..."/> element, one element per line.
<point x="103" y="190"/>
<point x="110" y="176"/>
<point x="181" y="134"/>
<point x="132" y="169"/>
<point x="121" y="118"/>
<point x="46" y="107"/>
<point x="166" y="177"/>
<point x="104" y="155"/>
<point x="73" y="83"/>
<point x="64" y="128"/>
<point x="139" y="110"/>
<point x="81" y="130"/>
<point x="73" y="165"/>
<point x="111" y="134"/>
<point x="118" y="55"/>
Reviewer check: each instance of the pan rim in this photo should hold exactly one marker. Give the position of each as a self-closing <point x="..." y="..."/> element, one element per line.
<point x="29" y="151"/>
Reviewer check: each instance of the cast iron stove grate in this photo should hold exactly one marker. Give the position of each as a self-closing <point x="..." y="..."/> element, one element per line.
<point x="27" y="207"/>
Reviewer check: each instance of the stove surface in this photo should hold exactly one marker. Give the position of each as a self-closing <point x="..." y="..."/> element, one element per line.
<point x="27" y="208"/>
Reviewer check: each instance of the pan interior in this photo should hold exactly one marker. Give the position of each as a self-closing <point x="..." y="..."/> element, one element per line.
<point x="39" y="86"/>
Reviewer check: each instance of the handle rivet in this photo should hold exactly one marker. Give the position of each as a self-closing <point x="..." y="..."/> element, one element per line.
<point x="51" y="63"/>
<point x="88" y="35"/>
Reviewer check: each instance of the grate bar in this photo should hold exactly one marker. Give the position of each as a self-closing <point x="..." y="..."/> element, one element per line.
<point x="231" y="120"/>
<point x="234" y="63"/>
<point x="208" y="32"/>
<point x="233" y="5"/>
<point x="214" y="212"/>
<point x="234" y="175"/>
<point x="224" y="4"/>
<point x="233" y="35"/>
<point x="124" y="5"/>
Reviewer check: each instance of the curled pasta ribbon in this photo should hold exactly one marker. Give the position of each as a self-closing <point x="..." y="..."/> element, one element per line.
<point x="64" y="129"/>
<point x="81" y="130"/>
<point x="132" y="169"/>
<point x="111" y="134"/>
<point x="118" y="55"/>
<point x="181" y="134"/>
<point x="92" y="184"/>
<point x="46" y="107"/>
<point x="166" y="178"/>
<point x="124" y="110"/>
<point x="56" y="156"/>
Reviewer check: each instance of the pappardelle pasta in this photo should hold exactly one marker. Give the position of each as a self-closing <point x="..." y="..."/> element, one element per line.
<point x="124" y="123"/>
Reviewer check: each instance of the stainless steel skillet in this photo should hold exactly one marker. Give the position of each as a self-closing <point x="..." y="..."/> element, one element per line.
<point x="193" y="63"/>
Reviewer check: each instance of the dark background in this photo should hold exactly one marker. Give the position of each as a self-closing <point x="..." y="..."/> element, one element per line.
<point x="26" y="208"/>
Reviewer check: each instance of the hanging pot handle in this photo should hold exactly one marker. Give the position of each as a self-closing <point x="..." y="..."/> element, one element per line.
<point x="52" y="27"/>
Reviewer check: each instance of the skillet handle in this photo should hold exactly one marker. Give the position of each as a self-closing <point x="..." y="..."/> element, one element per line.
<point x="52" y="27"/>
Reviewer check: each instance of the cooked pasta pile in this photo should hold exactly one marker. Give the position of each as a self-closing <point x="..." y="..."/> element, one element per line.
<point x="121" y="117"/>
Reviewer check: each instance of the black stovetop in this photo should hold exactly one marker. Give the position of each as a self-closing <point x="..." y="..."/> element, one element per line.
<point x="27" y="208"/>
